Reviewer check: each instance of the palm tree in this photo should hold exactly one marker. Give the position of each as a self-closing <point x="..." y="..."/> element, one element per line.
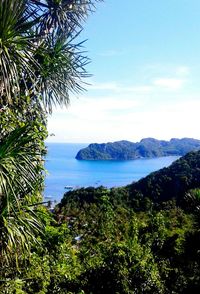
<point x="40" y="64"/>
<point x="21" y="173"/>
<point x="37" y="44"/>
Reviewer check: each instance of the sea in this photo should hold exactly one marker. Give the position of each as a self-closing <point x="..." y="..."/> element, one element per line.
<point x="64" y="171"/>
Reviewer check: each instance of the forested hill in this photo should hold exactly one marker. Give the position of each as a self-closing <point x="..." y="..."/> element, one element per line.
<point x="146" y="148"/>
<point x="131" y="239"/>
<point x="168" y="183"/>
<point x="171" y="182"/>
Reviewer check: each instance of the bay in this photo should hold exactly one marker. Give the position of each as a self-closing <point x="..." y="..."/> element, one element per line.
<point x="64" y="170"/>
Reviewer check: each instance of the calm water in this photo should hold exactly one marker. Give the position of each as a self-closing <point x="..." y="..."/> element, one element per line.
<point x="65" y="170"/>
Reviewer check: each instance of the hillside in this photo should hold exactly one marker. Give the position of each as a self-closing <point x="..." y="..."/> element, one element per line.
<point x="133" y="239"/>
<point x="171" y="182"/>
<point x="168" y="183"/>
<point x="146" y="148"/>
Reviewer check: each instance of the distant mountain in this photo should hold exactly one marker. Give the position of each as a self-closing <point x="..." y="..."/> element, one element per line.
<point x="146" y="148"/>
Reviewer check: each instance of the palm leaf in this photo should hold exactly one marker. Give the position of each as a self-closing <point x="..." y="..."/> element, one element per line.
<point x="16" y="49"/>
<point x="21" y="171"/>
<point x="65" y="14"/>
<point x="30" y="30"/>
<point x="62" y="67"/>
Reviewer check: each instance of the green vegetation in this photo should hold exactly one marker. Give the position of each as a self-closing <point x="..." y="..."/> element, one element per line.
<point x="100" y="240"/>
<point x="143" y="238"/>
<point x="146" y="148"/>
<point x="171" y="182"/>
<point x="41" y="62"/>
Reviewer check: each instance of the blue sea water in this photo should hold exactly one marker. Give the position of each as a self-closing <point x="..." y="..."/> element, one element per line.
<point x="64" y="170"/>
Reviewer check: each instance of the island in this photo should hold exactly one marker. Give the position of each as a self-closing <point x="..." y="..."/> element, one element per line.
<point x="146" y="148"/>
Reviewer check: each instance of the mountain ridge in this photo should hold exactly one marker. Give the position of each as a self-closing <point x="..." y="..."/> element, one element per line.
<point x="145" y="148"/>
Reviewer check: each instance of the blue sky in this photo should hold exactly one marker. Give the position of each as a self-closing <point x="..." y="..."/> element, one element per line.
<point x="145" y="74"/>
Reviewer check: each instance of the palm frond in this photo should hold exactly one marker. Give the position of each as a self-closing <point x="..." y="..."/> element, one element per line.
<point x="65" y="14"/>
<point x="46" y="29"/>
<point x="21" y="175"/>
<point x="62" y="67"/>
<point x="19" y="231"/>
<point x="16" y="49"/>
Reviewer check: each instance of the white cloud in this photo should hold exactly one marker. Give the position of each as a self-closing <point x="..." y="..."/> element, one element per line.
<point x="166" y="77"/>
<point x="114" y="110"/>
<point x="169" y="83"/>
<point x="166" y="69"/>
<point x="183" y="70"/>
<point x="116" y="87"/>
<point x="114" y="118"/>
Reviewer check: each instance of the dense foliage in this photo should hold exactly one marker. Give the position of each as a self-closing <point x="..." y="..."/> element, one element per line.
<point x="171" y="182"/>
<point x="98" y="240"/>
<point x="41" y="63"/>
<point x="143" y="238"/>
<point x="146" y="148"/>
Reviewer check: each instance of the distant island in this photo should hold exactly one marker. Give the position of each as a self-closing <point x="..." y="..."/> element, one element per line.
<point x="146" y="148"/>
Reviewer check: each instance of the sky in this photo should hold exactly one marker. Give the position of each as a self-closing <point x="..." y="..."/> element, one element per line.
<point x="145" y="66"/>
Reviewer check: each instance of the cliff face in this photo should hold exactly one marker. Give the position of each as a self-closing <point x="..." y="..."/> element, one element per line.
<point x="146" y="148"/>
